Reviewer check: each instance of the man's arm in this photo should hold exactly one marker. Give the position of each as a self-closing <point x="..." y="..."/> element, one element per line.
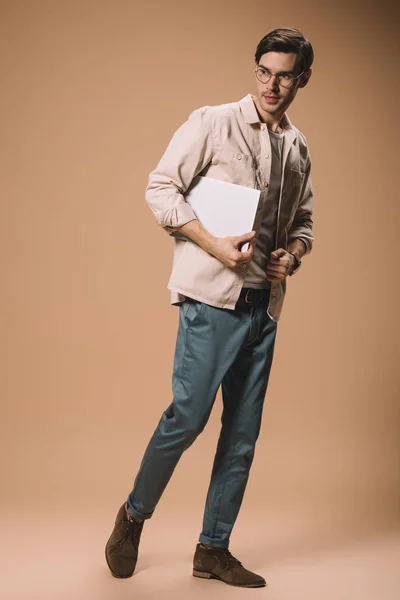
<point x="196" y="232"/>
<point x="300" y="236"/>
<point x="189" y="151"/>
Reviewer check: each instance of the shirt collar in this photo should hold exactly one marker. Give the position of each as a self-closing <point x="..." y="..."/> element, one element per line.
<point x="250" y="113"/>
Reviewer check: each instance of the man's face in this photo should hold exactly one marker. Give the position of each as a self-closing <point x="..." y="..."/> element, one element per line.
<point x="274" y="98"/>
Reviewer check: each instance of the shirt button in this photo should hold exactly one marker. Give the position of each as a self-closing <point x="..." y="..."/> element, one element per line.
<point x="262" y="126"/>
<point x="266" y="156"/>
<point x="266" y="185"/>
<point x="244" y="266"/>
<point x="238" y="156"/>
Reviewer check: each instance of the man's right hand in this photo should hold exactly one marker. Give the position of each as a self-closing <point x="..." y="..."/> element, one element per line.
<point x="226" y="249"/>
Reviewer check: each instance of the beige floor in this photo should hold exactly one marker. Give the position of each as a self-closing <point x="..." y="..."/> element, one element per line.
<point x="45" y="556"/>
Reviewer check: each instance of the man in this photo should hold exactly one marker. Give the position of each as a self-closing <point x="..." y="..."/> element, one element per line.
<point x="230" y="300"/>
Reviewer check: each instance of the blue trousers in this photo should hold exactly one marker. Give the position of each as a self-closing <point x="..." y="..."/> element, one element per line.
<point x="214" y="346"/>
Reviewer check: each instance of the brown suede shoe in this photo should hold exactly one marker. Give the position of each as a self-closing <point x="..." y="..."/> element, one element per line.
<point x="123" y="544"/>
<point x="218" y="563"/>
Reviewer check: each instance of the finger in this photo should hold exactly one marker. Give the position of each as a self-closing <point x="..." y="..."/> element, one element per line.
<point x="277" y="265"/>
<point x="276" y="275"/>
<point x="284" y="265"/>
<point x="273" y="269"/>
<point x="279" y="259"/>
<point x="245" y="237"/>
<point x="246" y="255"/>
<point x="278" y="253"/>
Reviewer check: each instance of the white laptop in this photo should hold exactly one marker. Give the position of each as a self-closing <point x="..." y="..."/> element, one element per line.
<point x="223" y="208"/>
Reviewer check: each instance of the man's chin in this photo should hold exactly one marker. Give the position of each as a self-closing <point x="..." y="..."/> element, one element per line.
<point x="271" y="108"/>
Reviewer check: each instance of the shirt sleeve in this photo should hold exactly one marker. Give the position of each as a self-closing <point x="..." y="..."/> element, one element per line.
<point x="191" y="148"/>
<point x="302" y="223"/>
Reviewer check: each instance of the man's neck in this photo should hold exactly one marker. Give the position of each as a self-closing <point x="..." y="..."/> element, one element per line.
<point x="273" y="122"/>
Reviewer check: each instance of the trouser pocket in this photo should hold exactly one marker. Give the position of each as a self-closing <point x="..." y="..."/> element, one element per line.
<point x="192" y="310"/>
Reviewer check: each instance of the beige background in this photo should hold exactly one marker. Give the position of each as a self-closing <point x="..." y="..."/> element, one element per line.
<point x="91" y="94"/>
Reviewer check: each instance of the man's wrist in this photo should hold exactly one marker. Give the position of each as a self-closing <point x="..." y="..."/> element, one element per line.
<point x="296" y="248"/>
<point x="296" y="263"/>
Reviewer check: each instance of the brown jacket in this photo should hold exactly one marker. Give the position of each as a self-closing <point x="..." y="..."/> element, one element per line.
<point x="228" y="142"/>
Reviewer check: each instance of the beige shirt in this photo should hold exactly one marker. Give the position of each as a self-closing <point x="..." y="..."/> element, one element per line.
<point x="228" y="142"/>
<point x="266" y="219"/>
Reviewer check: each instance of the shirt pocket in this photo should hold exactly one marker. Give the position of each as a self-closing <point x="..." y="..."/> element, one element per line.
<point x="291" y="193"/>
<point x="235" y="167"/>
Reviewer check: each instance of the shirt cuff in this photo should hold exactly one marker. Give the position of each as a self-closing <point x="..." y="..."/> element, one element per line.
<point x="176" y="217"/>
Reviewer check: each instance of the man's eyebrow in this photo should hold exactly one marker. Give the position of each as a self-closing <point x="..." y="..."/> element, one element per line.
<point x="280" y="73"/>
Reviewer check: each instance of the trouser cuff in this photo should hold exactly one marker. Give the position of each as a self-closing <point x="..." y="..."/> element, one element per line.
<point x="136" y="514"/>
<point x="208" y="541"/>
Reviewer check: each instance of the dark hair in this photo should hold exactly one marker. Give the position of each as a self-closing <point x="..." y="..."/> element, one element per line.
<point x="287" y="40"/>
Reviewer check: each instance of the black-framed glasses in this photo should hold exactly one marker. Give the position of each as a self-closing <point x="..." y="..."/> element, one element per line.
<point x="285" y="80"/>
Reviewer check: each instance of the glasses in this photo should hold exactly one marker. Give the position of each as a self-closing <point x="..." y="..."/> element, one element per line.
<point x="285" y="81"/>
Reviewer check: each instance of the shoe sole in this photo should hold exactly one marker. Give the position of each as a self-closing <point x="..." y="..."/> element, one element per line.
<point x="206" y="575"/>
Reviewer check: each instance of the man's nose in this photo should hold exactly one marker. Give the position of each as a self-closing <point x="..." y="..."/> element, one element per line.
<point x="273" y="83"/>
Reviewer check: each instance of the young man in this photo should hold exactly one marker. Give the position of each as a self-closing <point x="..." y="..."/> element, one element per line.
<point x="230" y="301"/>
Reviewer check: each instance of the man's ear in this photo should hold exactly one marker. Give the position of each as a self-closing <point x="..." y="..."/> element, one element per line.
<point x="305" y="77"/>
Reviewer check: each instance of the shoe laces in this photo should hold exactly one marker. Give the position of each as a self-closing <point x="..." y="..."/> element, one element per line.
<point x="232" y="561"/>
<point x="133" y="530"/>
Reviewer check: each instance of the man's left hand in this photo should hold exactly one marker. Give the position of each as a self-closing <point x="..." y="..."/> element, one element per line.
<point x="280" y="264"/>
